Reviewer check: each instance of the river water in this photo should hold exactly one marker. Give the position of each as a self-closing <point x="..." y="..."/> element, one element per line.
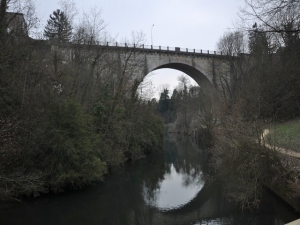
<point x="167" y="188"/>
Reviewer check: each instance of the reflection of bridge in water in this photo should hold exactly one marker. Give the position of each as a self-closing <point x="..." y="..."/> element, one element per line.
<point x="206" y="206"/>
<point x="209" y="206"/>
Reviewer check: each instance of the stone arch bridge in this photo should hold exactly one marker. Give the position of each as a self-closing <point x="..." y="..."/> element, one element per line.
<point x="202" y="66"/>
<point x="208" y="68"/>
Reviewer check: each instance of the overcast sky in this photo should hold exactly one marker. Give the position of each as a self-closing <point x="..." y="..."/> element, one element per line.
<point x="194" y="24"/>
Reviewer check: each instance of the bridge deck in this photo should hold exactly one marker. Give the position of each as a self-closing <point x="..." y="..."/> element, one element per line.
<point x="164" y="50"/>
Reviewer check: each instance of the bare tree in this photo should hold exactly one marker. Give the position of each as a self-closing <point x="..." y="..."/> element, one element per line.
<point x="184" y="83"/>
<point x="272" y="13"/>
<point x="91" y="28"/>
<point x="146" y="89"/>
<point x="233" y="45"/>
<point x="70" y="9"/>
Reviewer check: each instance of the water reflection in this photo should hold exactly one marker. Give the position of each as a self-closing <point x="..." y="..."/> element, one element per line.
<point x="176" y="190"/>
<point x="166" y="188"/>
<point x="182" y="178"/>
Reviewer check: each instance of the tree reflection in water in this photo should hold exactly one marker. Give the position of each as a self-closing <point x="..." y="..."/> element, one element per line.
<point x="182" y="179"/>
<point x="131" y="197"/>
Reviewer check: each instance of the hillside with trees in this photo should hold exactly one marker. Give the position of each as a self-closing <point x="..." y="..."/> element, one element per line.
<point x="261" y="92"/>
<point x="264" y="90"/>
<point x="66" y="124"/>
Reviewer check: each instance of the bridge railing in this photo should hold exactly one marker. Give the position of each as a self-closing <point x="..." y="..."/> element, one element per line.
<point x="161" y="48"/>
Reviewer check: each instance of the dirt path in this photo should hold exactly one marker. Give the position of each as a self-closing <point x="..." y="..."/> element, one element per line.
<point x="282" y="151"/>
<point x="296" y="222"/>
<point x="278" y="149"/>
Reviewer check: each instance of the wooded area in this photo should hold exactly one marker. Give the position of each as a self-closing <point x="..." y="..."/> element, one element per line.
<point x="65" y="124"/>
<point x="70" y="112"/>
<point x="264" y="90"/>
<point x="260" y="88"/>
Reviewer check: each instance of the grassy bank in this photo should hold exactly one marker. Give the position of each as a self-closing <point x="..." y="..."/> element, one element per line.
<point x="285" y="135"/>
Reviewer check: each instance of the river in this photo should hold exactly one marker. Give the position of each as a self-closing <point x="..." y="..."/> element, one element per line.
<point x="167" y="188"/>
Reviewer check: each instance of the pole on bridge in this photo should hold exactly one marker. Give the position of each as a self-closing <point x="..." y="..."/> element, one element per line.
<point x="151" y="35"/>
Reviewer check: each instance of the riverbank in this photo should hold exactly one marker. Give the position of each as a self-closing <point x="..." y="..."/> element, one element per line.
<point x="290" y="160"/>
<point x="165" y="188"/>
<point x="276" y="183"/>
<point x="286" y="134"/>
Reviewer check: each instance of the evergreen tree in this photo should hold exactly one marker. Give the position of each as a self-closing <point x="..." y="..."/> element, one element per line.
<point x="258" y="41"/>
<point x="58" y="26"/>
<point x="166" y="106"/>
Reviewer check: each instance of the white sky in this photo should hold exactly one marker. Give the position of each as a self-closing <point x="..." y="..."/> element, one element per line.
<point x="193" y="24"/>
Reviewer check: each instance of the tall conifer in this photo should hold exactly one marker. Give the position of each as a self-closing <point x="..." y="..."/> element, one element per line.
<point x="58" y="27"/>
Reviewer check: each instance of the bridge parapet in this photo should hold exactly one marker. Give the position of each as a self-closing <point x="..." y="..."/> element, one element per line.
<point x="163" y="49"/>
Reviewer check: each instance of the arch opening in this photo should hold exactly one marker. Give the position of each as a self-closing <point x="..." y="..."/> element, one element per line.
<point x="192" y="72"/>
<point x="160" y="79"/>
<point x="157" y="77"/>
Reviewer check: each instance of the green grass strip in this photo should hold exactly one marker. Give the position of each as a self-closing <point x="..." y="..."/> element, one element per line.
<point x="285" y="135"/>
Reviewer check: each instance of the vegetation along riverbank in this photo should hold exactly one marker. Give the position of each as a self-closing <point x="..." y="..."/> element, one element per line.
<point x="70" y="111"/>
<point x="66" y="124"/>
<point x="263" y="92"/>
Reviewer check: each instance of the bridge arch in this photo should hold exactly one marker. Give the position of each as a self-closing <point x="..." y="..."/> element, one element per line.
<point x="194" y="73"/>
<point x="200" y="68"/>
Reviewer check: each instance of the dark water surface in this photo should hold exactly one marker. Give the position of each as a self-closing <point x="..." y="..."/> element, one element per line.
<point x="168" y="188"/>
